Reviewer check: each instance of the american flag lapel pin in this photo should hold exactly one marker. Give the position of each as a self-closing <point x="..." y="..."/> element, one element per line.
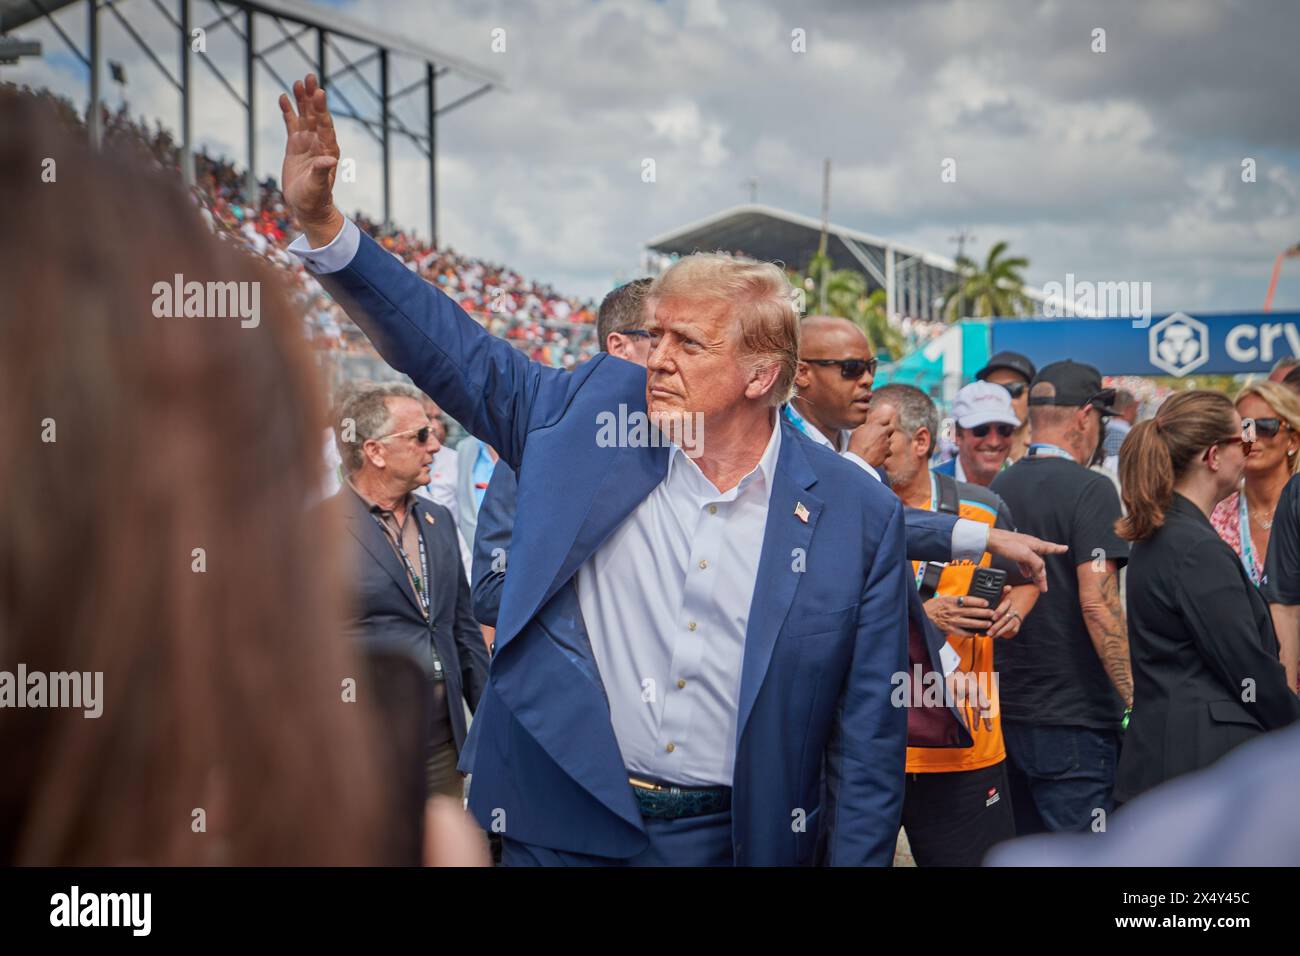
<point x="801" y="512"/>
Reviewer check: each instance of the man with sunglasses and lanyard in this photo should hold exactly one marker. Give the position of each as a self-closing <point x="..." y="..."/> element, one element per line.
<point x="412" y="594"/>
<point x="986" y="427"/>
<point x="1065" y="681"/>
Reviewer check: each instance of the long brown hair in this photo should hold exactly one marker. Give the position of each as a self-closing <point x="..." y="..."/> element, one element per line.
<point x="129" y="441"/>
<point x="1158" y="452"/>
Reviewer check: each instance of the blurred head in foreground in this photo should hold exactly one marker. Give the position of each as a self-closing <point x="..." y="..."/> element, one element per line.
<point x="155" y="471"/>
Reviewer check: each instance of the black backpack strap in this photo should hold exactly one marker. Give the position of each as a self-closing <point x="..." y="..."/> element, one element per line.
<point x="949" y="501"/>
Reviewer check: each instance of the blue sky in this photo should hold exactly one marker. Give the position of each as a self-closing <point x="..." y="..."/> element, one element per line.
<point x="1115" y="165"/>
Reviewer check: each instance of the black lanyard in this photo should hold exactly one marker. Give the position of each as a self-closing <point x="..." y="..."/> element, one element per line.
<point x="421" y="585"/>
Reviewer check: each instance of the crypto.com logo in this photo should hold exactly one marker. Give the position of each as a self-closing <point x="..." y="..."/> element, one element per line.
<point x="1178" y="344"/>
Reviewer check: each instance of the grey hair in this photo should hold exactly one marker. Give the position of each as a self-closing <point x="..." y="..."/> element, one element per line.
<point x="367" y="410"/>
<point x="916" y="410"/>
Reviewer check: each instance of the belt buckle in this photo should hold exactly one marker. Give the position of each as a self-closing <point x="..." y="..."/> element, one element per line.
<point x="646" y="785"/>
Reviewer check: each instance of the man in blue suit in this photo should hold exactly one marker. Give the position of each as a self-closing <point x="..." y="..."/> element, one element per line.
<point x="699" y="665"/>
<point x="836" y="399"/>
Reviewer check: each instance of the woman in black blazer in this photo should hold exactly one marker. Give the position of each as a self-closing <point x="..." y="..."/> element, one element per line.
<point x="1206" y="675"/>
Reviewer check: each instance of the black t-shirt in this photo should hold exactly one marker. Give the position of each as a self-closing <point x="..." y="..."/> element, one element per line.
<point x="1281" y="581"/>
<point x="1049" y="673"/>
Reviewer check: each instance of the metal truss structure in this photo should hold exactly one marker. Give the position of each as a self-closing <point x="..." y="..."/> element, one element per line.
<point x="313" y="32"/>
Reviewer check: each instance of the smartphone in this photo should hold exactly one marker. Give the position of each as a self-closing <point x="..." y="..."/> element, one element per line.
<point x="987" y="583"/>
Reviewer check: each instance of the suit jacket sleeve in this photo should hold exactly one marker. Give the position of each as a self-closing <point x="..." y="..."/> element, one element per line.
<point x="469" y="642"/>
<point x="929" y="535"/>
<point x="496" y="521"/>
<point x="1217" y="610"/>
<point x="482" y="381"/>
<point x="866" y="753"/>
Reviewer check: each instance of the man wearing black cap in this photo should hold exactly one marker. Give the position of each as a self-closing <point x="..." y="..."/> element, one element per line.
<point x="1013" y="372"/>
<point x="1065" y="682"/>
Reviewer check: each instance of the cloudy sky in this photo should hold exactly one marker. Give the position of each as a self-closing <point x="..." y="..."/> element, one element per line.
<point x="1117" y="165"/>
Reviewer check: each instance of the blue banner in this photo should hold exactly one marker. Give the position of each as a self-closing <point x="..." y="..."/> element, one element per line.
<point x="1179" y="344"/>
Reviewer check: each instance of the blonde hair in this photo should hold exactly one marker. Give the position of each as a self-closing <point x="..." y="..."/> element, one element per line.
<point x="761" y="301"/>
<point x="1283" y="401"/>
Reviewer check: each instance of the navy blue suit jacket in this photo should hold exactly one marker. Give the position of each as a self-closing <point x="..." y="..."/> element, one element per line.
<point x="828" y="629"/>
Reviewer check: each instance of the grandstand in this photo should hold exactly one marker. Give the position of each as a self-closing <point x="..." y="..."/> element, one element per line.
<point x="914" y="280"/>
<point x="325" y="41"/>
<point x="546" y="325"/>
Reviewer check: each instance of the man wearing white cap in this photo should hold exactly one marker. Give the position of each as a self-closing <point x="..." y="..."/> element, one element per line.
<point x="986" y="425"/>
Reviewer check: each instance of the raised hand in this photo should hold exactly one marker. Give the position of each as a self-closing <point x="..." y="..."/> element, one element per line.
<point x="870" y="441"/>
<point x="311" y="156"/>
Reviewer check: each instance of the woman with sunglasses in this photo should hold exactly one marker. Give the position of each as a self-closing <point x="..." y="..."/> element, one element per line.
<point x="1244" y="519"/>
<point x="1206" y="675"/>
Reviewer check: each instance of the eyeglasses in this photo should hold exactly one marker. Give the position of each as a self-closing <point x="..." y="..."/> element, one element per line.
<point x="634" y="333"/>
<point x="1268" y="427"/>
<point x="1247" y="438"/>
<point x="982" y="431"/>
<point x="849" y="368"/>
<point x="1014" y="389"/>
<point x="421" y="434"/>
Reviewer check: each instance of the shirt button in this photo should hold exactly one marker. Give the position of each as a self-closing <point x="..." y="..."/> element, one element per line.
<point x="691" y="625"/>
<point x="671" y="747"/>
<point x="704" y="565"/>
<point x="680" y="683"/>
<point x="713" y="509"/>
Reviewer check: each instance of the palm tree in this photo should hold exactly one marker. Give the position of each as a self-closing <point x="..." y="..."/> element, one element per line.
<point x="997" y="289"/>
<point x="846" y="295"/>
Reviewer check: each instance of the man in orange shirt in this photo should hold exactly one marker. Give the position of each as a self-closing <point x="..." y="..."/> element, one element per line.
<point x="956" y="803"/>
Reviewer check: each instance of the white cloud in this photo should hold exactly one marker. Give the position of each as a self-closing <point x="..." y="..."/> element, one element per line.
<point x="1122" y="164"/>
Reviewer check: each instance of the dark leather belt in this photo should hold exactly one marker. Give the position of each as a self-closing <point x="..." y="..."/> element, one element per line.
<point x="668" y="801"/>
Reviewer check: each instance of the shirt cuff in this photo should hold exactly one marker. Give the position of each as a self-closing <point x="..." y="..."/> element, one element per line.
<point x="334" y="255"/>
<point x="861" y="463"/>
<point x="969" y="540"/>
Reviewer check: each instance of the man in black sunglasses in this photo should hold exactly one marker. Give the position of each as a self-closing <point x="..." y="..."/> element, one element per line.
<point x="1013" y="372"/>
<point x="836" y="372"/>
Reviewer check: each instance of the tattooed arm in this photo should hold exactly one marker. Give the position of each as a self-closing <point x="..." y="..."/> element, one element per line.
<point x="1104" y="615"/>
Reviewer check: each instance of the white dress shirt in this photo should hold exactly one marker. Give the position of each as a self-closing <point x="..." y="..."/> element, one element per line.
<point x="441" y="489"/>
<point x="442" y="480"/>
<point x="666" y="601"/>
<point x="333" y="256"/>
